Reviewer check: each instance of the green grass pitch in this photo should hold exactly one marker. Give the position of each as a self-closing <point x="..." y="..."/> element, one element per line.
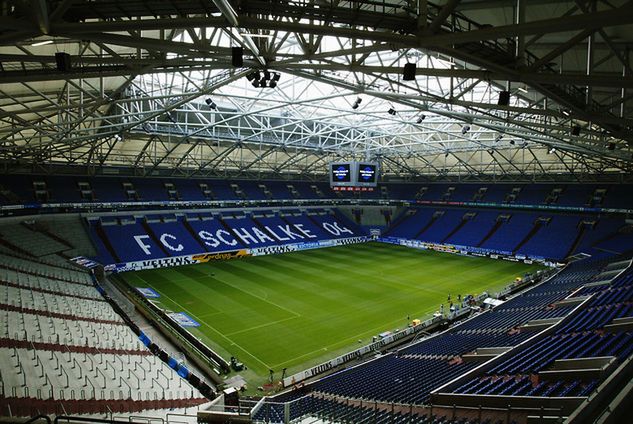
<point x="299" y="309"/>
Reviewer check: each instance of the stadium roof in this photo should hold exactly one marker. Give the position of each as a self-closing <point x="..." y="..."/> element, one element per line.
<point x="151" y="86"/>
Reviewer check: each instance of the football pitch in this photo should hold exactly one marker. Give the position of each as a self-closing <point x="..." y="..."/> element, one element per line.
<point x="298" y="309"/>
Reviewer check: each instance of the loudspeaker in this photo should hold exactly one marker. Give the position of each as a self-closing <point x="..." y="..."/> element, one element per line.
<point x="408" y="72"/>
<point x="63" y="61"/>
<point x="237" y="56"/>
<point x="575" y="130"/>
<point x="504" y="98"/>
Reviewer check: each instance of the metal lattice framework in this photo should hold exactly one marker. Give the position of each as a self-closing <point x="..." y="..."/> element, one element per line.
<point x="152" y="86"/>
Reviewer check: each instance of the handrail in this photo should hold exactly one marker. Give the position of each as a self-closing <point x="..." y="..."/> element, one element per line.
<point x="37" y="418"/>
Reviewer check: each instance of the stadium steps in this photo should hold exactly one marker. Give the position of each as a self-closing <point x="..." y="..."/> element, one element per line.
<point x="455" y="230"/>
<point x="262" y="227"/>
<point x="611" y="236"/>
<point x="193" y="233"/>
<point x="581" y="233"/>
<point x="106" y="242"/>
<point x="228" y="228"/>
<point x="314" y="221"/>
<point x="151" y="234"/>
<point x="426" y="227"/>
<point x="30" y="406"/>
<point x="15" y="248"/>
<point x="38" y="227"/>
<point x="537" y="226"/>
<point x="493" y="230"/>
<point x="400" y="219"/>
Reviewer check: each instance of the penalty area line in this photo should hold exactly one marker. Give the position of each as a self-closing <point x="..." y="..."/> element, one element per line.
<point x="203" y="322"/>
<point x="261" y="326"/>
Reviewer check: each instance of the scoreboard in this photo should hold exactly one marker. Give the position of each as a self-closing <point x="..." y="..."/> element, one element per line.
<point x="353" y="176"/>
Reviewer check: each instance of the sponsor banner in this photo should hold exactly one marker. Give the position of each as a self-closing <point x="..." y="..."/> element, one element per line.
<point x="183" y="319"/>
<point x="219" y="256"/>
<point x="148" y="292"/>
<point x="6" y="209"/>
<point x="358" y="353"/>
<point x="274" y="250"/>
<point x="175" y="261"/>
<point x="463" y="250"/>
<point x="271" y="250"/>
<point x="522" y="206"/>
<point x="84" y="262"/>
<point x="230" y="254"/>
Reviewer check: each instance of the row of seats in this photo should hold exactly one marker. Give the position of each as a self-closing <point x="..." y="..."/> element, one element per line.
<point x="582" y="335"/>
<point x="525" y="386"/>
<point x="331" y="410"/>
<point x="29" y="188"/>
<point x="62" y="345"/>
<point x="533" y="234"/>
<point x="409" y="375"/>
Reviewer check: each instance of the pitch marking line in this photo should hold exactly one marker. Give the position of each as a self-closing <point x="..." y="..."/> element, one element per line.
<point x="210" y="314"/>
<point x="336" y="343"/>
<point x="261" y="326"/>
<point x="207" y="325"/>
<point x="296" y="315"/>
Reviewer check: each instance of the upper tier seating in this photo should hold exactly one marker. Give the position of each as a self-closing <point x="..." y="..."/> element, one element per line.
<point x="45" y="188"/>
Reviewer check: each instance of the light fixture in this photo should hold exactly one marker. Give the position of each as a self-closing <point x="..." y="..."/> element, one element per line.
<point x="465" y="129"/>
<point x="248" y="34"/>
<point x="611" y="146"/>
<point x="42" y="43"/>
<point x="522" y="90"/>
<point x="512" y="142"/>
<point x="357" y="103"/>
<point x="421" y="118"/>
<point x="274" y="80"/>
<point x="264" y="79"/>
<point x="565" y="112"/>
<point x="210" y="103"/>
<point x="551" y="150"/>
<point x="498" y="138"/>
<point x="391" y="111"/>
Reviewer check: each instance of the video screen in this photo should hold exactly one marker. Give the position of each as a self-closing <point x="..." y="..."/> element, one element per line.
<point x="366" y="173"/>
<point x="341" y="173"/>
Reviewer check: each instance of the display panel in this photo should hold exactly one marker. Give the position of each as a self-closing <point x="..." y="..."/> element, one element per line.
<point x="367" y="174"/>
<point x="341" y="173"/>
<point x="351" y="176"/>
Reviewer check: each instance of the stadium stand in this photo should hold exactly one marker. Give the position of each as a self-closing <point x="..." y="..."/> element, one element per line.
<point x="411" y="376"/>
<point x="136" y="238"/>
<point x="64" y="349"/>
<point x="21" y="189"/>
